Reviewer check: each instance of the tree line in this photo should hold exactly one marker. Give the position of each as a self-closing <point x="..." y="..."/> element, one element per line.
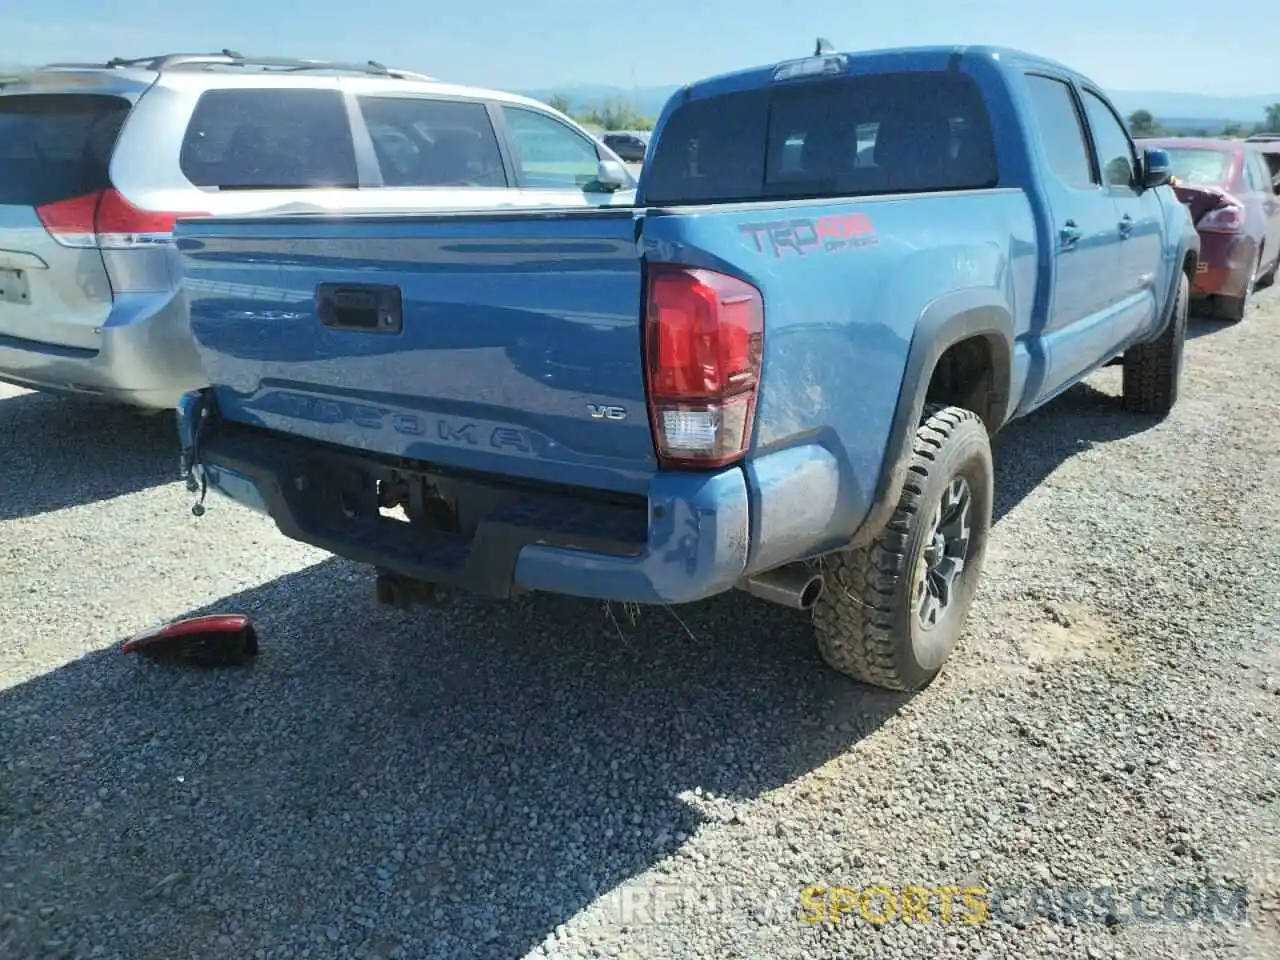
<point x="613" y="114"/>
<point x="1143" y="124"/>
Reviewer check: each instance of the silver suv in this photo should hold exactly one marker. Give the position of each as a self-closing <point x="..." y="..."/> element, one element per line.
<point x="97" y="162"/>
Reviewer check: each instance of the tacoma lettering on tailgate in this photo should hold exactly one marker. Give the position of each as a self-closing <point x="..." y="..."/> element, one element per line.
<point x="466" y="433"/>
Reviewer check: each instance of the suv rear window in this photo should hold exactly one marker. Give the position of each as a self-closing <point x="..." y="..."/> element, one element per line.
<point x="884" y="133"/>
<point x="56" y="146"/>
<point x="269" y="139"/>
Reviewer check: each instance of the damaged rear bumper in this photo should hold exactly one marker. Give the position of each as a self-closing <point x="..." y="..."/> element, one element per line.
<point x="693" y="536"/>
<point x="686" y="541"/>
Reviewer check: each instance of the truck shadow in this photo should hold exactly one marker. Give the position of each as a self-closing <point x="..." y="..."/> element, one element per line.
<point x="1028" y="450"/>
<point x="1203" y="325"/>
<point x="64" y="452"/>
<point x="497" y="767"/>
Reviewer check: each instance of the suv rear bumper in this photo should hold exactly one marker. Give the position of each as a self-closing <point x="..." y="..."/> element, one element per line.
<point x="689" y="539"/>
<point x="145" y="357"/>
<point x="1224" y="265"/>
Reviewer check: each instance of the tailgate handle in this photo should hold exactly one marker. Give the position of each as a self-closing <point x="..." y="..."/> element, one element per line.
<point x="360" y="307"/>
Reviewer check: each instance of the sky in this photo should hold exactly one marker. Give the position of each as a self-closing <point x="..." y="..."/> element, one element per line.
<point x="1172" y="45"/>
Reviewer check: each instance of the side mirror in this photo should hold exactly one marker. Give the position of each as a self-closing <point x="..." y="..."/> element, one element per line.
<point x="610" y="176"/>
<point x="1157" y="169"/>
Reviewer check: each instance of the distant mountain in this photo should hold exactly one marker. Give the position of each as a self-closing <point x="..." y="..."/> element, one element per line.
<point x="1202" y="108"/>
<point x="1174" y="110"/>
<point x="647" y="101"/>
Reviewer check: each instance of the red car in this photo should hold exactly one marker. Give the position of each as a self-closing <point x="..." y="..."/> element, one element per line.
<point x="1234" y="200"/>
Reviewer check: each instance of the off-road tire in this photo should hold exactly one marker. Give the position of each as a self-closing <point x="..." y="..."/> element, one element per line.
<point x="1153" y="371"/>
<point x="866" y="621"/>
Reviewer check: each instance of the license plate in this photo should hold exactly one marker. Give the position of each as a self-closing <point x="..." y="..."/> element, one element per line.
<point x="13" y="287"/>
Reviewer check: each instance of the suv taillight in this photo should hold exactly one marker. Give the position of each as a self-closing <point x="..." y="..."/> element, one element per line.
<point x="703" y="342"/>
<point x="1227" y="218"/>
<point x="106" y="220"/>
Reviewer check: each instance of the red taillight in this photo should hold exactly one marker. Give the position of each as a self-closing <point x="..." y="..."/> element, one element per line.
<point x="1227" y="218"/>
<point x="704" y="337"/>
<point x="106" y="220"/>
<point x="71" y="222"/>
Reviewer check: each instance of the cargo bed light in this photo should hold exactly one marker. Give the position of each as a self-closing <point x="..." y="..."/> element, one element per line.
<point x="812" y="67"/>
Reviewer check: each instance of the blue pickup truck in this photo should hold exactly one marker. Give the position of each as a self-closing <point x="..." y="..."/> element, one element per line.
<point x="777" y="372"/>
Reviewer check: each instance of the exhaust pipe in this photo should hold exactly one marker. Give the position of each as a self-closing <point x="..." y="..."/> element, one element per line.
<point x="795" y="585"/>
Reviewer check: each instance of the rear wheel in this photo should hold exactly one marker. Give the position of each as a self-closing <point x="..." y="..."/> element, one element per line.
<point x="892" y="611"/>
<point x="1153" y="371"/>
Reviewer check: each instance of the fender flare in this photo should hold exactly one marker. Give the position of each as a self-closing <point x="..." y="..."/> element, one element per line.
<point x="975" y="312"/>
<point x="1187" y="245"/>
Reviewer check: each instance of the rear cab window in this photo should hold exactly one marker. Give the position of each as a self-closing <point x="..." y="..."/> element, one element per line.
<point x="56" y="146"/>
<point x="884" y="133"/>
<point x="426" y="142"/>
<point x="269" y="139"/>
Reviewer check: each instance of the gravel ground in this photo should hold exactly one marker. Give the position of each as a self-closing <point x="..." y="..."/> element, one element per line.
<point x="548" y="778"/>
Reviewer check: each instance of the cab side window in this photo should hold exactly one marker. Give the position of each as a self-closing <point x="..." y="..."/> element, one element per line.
<point x="548" y="154"/>
<point x="1115" y="151"/>
<point x="1061" y="130"/>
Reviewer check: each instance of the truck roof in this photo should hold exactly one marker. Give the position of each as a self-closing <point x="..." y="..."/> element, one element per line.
<point x="884" y="58"/>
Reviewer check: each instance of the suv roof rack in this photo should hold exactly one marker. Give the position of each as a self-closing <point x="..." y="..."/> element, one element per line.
<point x="230" y="58"/>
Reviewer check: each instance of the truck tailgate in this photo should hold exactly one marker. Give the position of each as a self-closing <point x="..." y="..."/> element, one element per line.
<point x="506" y="343"/>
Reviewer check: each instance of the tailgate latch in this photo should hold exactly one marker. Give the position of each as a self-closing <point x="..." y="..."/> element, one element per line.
<point x="360" y="307"/>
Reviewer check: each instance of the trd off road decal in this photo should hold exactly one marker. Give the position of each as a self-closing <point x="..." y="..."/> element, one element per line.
<point x="808" y="235"/>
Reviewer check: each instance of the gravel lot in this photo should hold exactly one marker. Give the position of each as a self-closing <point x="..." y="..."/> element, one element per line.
<point x="509" y="780"/>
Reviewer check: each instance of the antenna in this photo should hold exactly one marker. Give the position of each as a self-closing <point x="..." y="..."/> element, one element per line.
<point x="823" y="47"/>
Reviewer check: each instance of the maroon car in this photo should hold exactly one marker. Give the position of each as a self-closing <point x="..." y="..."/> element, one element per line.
<point x="1235" y="204"/>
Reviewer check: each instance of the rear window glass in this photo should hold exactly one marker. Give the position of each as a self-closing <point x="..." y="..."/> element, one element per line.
<point x="56" y="146"/>
<point x="886" y="133"/>
<point x="269" y="139"/>
<point x="422" y="142"/>
<point x="1200" y="167"/>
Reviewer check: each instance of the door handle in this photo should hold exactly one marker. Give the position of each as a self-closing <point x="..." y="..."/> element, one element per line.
<point x="1126" y="225"/>
<point x="1070" y="234"/>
